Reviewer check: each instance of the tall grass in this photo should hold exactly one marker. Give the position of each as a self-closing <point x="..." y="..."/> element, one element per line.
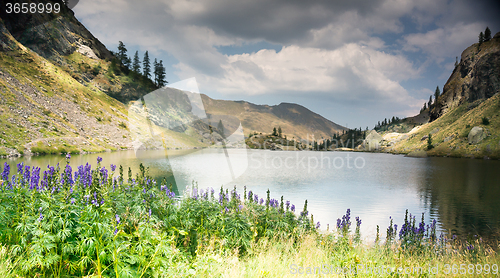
<point x="97" y="222"/>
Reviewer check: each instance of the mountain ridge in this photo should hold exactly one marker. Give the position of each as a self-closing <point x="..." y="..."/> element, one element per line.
<point x="59" y="94"/>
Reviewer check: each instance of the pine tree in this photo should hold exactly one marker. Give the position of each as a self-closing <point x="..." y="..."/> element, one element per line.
<point x="122" y="53"/>
<point x="146" y="66"/>
<point x="429" y="104"/>
<point x="279" y="131"/>
<point x="161" y="75"/>
<point x="429" y="142"/>
<point x="487" y="34"/>
<point x="481" y="38"/>
<point x="155" y="72"/>
<point x="136" y="65"/>
<point x="437" y="93"/>
<point x="275" y="133"/>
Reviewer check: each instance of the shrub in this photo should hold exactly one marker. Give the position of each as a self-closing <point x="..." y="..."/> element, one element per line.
<point x="485" y="121"/>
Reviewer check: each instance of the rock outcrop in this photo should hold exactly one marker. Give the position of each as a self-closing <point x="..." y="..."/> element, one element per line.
<point x="476" y="77"/>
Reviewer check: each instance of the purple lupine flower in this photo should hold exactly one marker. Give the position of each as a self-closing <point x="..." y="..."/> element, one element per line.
<point x="6" y="172"/>
<point x="72" y="201"/>
<point x="470" y="247"/>
<point x="116" y="231"/>
<point x="12" y="181"/>
<point x="261" y="201"/>
<point x="292" y="208"/>
<point x="104" y="173"/>
<point x="339" y="222"/>
<point x="221" y="198"/>
<point x="26" y="175"/>
<point x="113" y="167"/>
<point x="66" y="176"/>
<point x="35" y="178"/>
<point x="240" y="207"/>
<point x="256" y="198"/>
<point x="68" y="157"/>
<point x="287" y="205"/>
<point x="20" y="167"/>
<point x="358" y="221"/>
<point x="318" y="225"/>
<point x="226" y="210"/>
<point x="117" y="217"/>
<point x="99" y="160"/>
<point x="149" y="212"/>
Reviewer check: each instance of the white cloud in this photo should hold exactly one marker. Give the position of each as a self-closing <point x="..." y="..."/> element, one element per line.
<point x="443" y="42"/>
<point x="352" y="72"/>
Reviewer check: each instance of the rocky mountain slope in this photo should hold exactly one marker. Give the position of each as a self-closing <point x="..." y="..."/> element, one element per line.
<point x="476" y="77"/>
<point x="465" y="121"/>
<point x="60" y="94"/>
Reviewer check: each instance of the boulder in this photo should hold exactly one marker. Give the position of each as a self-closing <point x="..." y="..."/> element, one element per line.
<point x="476" y="134"/>
<point x="372" y="141"/>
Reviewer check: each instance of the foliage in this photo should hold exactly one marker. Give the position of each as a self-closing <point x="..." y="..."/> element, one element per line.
<point x="93" y="222"/>
<point x="487" y="34"/>
<point x="485" y="121"/>
<point x="429" y="142"/>
<point x="146" y="65"/>
<point x="136" y="64"/>
<point x="437" y="93"/>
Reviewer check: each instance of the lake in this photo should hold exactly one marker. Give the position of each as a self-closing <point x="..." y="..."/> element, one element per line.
<point x="461" y="194"/>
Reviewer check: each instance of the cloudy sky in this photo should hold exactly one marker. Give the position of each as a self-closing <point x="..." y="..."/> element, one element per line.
<point x="353" y="61"/>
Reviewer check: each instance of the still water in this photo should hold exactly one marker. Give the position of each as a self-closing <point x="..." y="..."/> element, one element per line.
<point x="463" y="195"/>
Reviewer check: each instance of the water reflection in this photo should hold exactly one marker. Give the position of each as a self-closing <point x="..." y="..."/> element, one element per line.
<point x="462" y="194"/>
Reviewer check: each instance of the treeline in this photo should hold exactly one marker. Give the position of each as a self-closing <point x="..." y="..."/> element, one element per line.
<point x="122" y="63"/>
<point x="350" y="138"/>
<point x="430" y="103"/>
<point x="484" y="37"/>
<point x="381" y="125"/>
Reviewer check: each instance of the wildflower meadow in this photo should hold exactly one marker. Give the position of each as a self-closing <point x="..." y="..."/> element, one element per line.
<point x="66" y="222"/>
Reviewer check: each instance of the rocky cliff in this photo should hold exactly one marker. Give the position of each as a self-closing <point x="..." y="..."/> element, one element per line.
<point x="464" y="122"/>
<point x="476" y="77"/>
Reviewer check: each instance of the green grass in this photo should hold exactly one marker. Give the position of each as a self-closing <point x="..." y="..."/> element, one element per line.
<point x="43" y="149"/>
<point x="457" y="123"/>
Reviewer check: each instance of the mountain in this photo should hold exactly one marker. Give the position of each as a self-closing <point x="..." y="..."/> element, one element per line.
<point x="295" y="120"/>
<point x="476" y="77"/>
<point x="465" y="120"/>
<point x="62" y="91"/>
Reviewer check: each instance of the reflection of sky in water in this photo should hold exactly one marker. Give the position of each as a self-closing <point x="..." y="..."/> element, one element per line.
<point x="460" y="193"/>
